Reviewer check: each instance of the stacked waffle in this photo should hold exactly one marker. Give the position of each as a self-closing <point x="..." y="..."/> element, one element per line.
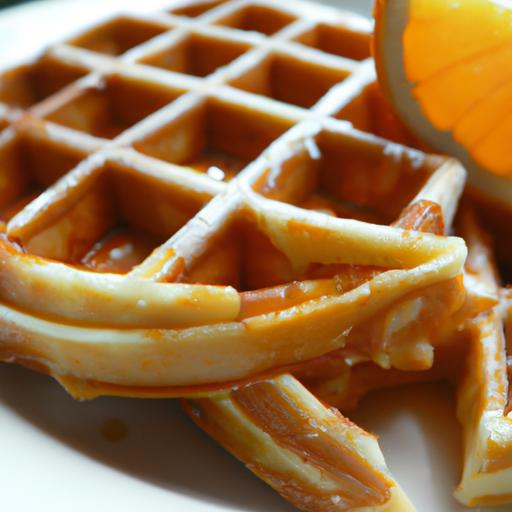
<point x="186" y="212"/>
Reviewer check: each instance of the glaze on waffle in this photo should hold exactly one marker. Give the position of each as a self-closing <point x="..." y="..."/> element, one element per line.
<point x="476" y="359"/>
<point x="190" y="205"/>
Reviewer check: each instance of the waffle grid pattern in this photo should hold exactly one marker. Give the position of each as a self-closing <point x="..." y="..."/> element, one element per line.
<point x="175" y="74"/>
<point x="169" y="131"/>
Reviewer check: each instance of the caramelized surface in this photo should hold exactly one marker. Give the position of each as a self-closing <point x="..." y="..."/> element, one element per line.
<point x="197" y="55"/>
<point x="214" y="135"/>
<point x="118" y="35"/>
<point x="257" y="18"/>
<point x="266" y="421"/>
<point x="26" y="85"/>
<point x="269" y="408"/>
<point x="423" y="215"/>
<point x="371" y="112"/>
<point x="336" y="178"/>
<point x="119" y="251"/>
<point x="166" y="280"/>
<point x="112" y="106"/>
<point x="245" y="257"/>
<point x="28" y="164"/>
<point x="495" y="218"/>
<point x="196" y="9"/>
<point x="278" y="76"/>
<point x="120" y="217"/>
<point x="338" y="40"/>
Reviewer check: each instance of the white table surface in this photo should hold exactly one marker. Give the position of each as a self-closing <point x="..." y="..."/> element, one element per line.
<point x="53" y="456"/>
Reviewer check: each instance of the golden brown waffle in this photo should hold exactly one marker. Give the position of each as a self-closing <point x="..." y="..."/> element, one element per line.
<point x="133" y="201"/>
<point x="476" y="359"/>
<point x="186" y="210"/>
<point x="285" y="435"/>
<point x="484" y="390"/>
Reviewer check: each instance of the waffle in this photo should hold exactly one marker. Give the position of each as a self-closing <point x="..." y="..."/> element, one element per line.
<point x="195" y="204"/>
<point x="481" y="376"/>
<point x="484" y="391"/>
<point x="270" y="424"/>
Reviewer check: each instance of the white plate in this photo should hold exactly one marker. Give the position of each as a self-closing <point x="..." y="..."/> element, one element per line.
<point x="53" y="455"/>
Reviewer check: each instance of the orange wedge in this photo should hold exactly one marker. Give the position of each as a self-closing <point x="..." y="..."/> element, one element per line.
<point x="446" y="66"/>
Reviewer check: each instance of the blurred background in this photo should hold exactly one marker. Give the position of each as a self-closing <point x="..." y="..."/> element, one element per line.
<point x="362" y="6"/>
<point x="47" y="21"/>
<point x="7" y="3"/>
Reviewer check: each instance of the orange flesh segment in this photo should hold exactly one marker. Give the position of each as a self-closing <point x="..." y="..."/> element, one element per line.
<point x="462" y="77"/>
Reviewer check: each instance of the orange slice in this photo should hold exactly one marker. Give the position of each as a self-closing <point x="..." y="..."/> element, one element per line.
<point x="446" y="66"/>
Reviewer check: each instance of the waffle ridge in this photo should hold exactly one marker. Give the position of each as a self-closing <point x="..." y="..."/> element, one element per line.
<point x="209" y="172"/>
<point x="122" y="124"/>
